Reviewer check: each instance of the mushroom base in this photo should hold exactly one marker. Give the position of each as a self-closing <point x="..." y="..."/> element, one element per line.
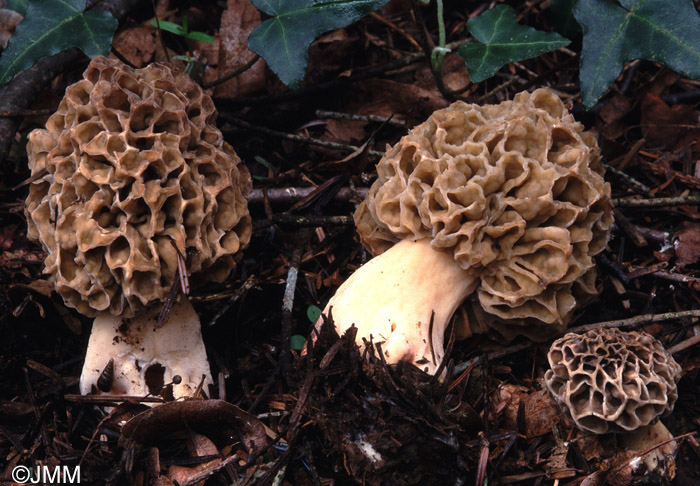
<point x="393" y="298"/>
<point x="146" y="357"/>
<point x="659" y="459"/>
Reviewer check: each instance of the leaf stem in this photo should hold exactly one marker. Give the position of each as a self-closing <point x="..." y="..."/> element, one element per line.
<point x="439" y="52"/>
<point x="435" y="54"/>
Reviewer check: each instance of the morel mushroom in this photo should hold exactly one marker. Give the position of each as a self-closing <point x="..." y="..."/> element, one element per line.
<point x="608" y="380"/>
<point x="504" y="201"/>
<point x="131" y="180"/>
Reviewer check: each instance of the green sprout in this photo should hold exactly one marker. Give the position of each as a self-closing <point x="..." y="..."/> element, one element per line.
<point x="183" y="31"/>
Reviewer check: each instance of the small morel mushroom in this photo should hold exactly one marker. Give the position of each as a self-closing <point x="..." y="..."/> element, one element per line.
<point x="504" y="203"/>
<point x="608" y="380"/>
<point x="131" y="180"/>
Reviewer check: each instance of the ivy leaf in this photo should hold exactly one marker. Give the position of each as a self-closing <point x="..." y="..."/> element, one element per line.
<point x="50" y="27"/>
<point x="19" y="6"/>
<point x="562" y="14"/>
<point x="502" y="41"/>
<point x="617" y="32"/>
<point x="284" y="39"/>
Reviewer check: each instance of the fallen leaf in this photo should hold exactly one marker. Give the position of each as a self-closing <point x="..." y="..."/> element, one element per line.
<point x="136" y="44"/>
<point x="9" y="19"/>
<point x="196" y="415"/>
<point x="686" y="243"/>
<point x="611" y="115"/>
<point x="539" y="410"/>
<point x="328" y="55"/>
<point x="663" y="125"/>
<point x="237" y="22"/>
<point x="407" y="101"/>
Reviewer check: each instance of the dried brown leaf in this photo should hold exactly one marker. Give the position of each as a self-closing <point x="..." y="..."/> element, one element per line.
<point x="687" y="244"/>
<point x="663" y="125"/>
<point x="136" y="44"/>
<point x="194" y="415"/>
<point x="237" y="22"/>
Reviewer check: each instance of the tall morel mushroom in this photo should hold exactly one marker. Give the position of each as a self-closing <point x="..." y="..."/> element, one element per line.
<point x="131" y="178"/>
<point x="506" y="202"/>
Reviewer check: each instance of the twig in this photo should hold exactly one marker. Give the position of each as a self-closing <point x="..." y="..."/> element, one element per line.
<point x="290" y="195"/>
<point x="491" y="356"/>
<point x="335" y="83"/>
<point x="657" y="236"/>
<point x="636" y="320"/>
<point x="287" y="306"/>
<point x="363" y="118"/>
<point x="250" y="282"/>
<point x="676" y="277"/>
<point x="209" y="471"/>
<point x="631" y="322"/>
<point x="309" y="221"/>
<point x="160" y="32"/>
<point x="656" y="202"/>
<point x="629" y="229"/>
<point x="110" y="399"/>
<point x="396" y="28"/>
<point x="296" y="138"/>
<point x="233" y="74"/>
<point x="20" y="112"/>
<point x="631" y="181"/>
<point x="658" y="169"/>
<point x="685" y="344"/>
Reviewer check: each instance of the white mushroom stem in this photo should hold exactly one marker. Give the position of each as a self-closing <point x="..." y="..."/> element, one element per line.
<point x="147" y="356"/>
<point x="661" y="459"/>
<point x="393" y="297"/>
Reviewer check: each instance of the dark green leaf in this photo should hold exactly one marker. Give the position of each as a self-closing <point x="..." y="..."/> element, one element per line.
<point x="297" y="342"/>
<point x="201" y="37"/>
<point x="313" y="313"/>
<point x="171" y="27"/>
<point x="54" y="26"/>
<point x="19" y="6"/>
<point x="563" y="18"/>
<point x="283" y="40"/>
<point x="614" y="33"/>
<point x="502" y="41"/>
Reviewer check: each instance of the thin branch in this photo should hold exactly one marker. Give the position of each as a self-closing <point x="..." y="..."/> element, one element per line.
<point x="636" y="320"/>
<point x="656" y="202"/>
<point x="291" y="195"/>
<point x="20" y="112"/>
<point x="233" y="74"/>
<point x="333" y="84"/>
<point x="363" y="118"/>
<point x="296" y="138"/>
<point x="287" y="307"/>
<point x="691" y="341"/>
<point x="309" y="221"/>
<point x="630" y="322"/>
<point x="396" y="28"/>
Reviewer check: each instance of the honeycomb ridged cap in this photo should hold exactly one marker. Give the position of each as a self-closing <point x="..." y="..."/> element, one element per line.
<point x="515" y="191"/>
<point x="128" y="172"/>
<point x="608" y="380"/>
